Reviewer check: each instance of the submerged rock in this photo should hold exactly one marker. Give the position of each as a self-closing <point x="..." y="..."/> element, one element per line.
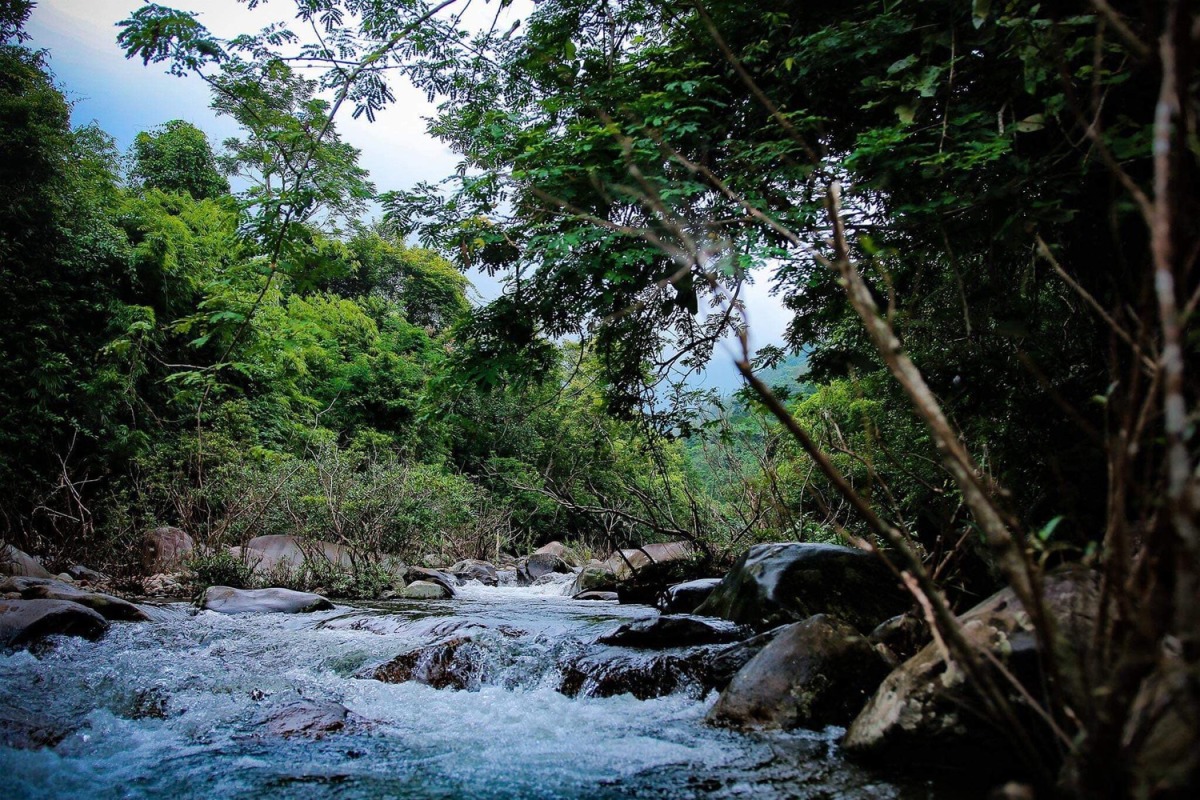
<point x="18" y="563"/>
<point x="22" y="730"/>
<point x="24" y="622"/>
<point x="686" y="597"/>
<point x="308" y="718"/>
<point x="110" y="607"/>
<point x="774" y="584"/>
<point x="164" y="549"/>
<point x="926" y="712"/>
<point x="227" y="600"/>
<point x="812" y="674"/>
<point x="473" y="569"/>
<point x="677" y="630"/>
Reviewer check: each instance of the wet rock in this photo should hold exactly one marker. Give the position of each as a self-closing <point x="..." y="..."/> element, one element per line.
<point x="594" y="577"/>
<point x="645" y="676"/>
<point x="686" y="597"/>
<point x="677" y="630"/>
<point x="227" y="600"/>
<point x="426" y="575"/>
<point x="110" y="607"/>
<point x="774" y="584"/>
<point x="592" y="595"/>
<point x="434" y="665"/>
<point x="308" y="718"/>
<point x="425" y="590"/>
<point x="814" y="673"/>
<point x="727" y="661"/>
<point x="18" y="563"/>
<point x="472" y="569"/>
<point x="165" y="549"/>
<point x="25" y="622"/>
<point x="534" y="566"/>
<point x="926" y="707"/>
<point x="899" y="638"/>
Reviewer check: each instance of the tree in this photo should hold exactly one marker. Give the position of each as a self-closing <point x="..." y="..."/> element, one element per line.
<point x="176" y="157"/>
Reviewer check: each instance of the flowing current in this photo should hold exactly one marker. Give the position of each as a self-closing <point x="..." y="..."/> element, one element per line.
<point x="176" y="708"/>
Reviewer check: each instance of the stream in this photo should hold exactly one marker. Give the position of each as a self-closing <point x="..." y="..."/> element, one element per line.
<point x="175" y="708"/>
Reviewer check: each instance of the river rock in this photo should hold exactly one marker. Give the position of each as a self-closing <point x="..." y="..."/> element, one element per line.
<point x="268" y="554"/>
<point x="473" y="569"/>
<point x="594" y="577"/>
<point x="728" y="661"/>
<point x="628" y="562"/>
<point x="18" y="563"/>
<point x="774" y="584"/>
<point x="899" y="638"/>
<point x="227" y="600"/>
<point x="109" y="607"/>
<point x="686" y="597"/>
<point x="675" y="630"/>
<point x="24" y="622"/>
<point x="308" y="718"/>
<point x="593" y="595"/>
<point x="643" y="675"/>
<point x="425" y="590"/>
<point x="164" y="549"/>
<point x="567" y="554"/>
<point x="434" y="665"/>
<point x="165" y="584"/>
<point x="815" y="673"/>
<point x="534" y="566"/>
<point x="427" y="575"/>
<point x="86" y="575"/>
<point x="926" y="712"/>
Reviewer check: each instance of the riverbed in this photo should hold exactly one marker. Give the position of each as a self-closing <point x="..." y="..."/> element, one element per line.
<point x="178" y="708"/>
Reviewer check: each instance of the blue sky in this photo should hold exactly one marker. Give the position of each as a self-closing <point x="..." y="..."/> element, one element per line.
<point x="124" y="98"/>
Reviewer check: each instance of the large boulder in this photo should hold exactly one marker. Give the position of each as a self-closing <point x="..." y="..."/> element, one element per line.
<point x="729" y="660"/>
<point x="926" y="711"/>
<point x="594" y="577"/>
<point x="567" y="554"/>
<point x="675" y="630"/>
<point x="472" y="569"/>
<point x="290" y="553"/>
<point x="426" y="575"/>
<point x="686" y="597"/>
<point x="227" y="600"/>
<point x="24" y="622"/>
<point x="537" y="565"/>
<point x="625" y="564"/>
<point x="815" y="673"/>
<point x="164" y="549"/>
<point x="18" y="563"/>
<point x="109" y="607"/>
<point x="774" y="584"/>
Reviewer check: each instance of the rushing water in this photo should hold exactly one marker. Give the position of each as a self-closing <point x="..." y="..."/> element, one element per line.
<point x="175" y="708"/>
